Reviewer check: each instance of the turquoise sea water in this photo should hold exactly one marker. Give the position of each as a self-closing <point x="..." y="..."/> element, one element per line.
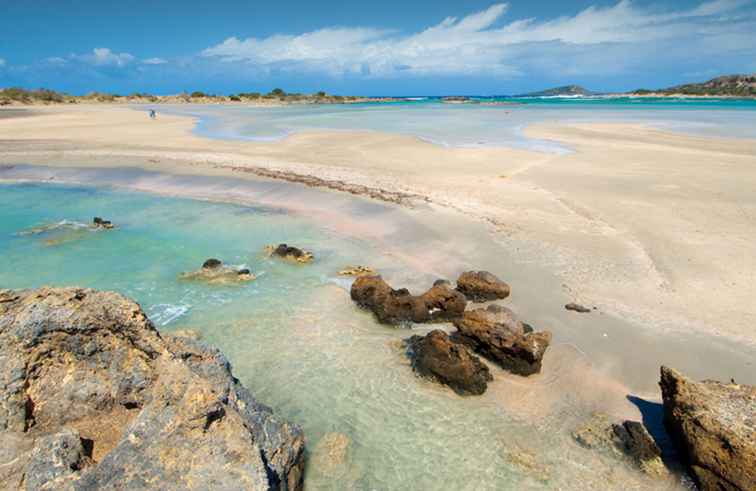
<point x="296" y="340"/>
<point x="477" y="124"/>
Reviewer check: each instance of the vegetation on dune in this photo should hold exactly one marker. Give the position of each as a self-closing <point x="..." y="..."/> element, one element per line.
<point x="16" y="95"/>
<point x="727" y="85"/>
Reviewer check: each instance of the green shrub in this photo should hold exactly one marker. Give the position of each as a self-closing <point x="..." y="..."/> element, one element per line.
<point x="277" y="92"/>
<point x="235" y="98"/>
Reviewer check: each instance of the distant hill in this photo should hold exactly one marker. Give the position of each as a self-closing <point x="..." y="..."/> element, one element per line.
<point x="557" y="91"/>
<point x="727" y="85"/>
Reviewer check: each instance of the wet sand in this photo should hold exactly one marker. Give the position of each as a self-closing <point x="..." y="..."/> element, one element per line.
<point x="651" y="227"/>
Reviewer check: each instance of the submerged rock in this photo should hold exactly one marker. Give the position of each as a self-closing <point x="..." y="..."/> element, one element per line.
<point x="291" y="253"/>
<point x="437" y="357"/>
<point x="95" y="398"/>
<point x="576" y="307"/>
<point x="629" y="440"/>
<point x="714" y="427"/>
<point x="391" y="306"/>
<point x="357" y="271"/>
<point x="98" y="222"/>
<point x="213" y="271"/>
<point x="496" y="333"/>
<point x="482" y="286"/>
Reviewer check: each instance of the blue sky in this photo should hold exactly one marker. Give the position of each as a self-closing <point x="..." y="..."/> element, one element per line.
<point x="375" y="48"/>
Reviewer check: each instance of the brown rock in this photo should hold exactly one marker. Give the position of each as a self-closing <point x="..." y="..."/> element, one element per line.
<point x="482" y="286"/>
<point x="496" y="333"/>
<point x="391" y="306"/>
<point x="443" y="302"/>
<point x="290" y="253"/>
<point x="435" y="356"/>
<point x="95" y="398"/>
<point x="575" y="307"/>
<point x="714" y="427"/>
<point x="629" y="440"/>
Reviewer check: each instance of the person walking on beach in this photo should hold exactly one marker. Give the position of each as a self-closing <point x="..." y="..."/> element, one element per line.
<point x="153" y="114"/>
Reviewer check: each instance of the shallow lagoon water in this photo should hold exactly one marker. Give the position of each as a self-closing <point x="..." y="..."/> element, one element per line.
<point x="471" y="125"/>
<point x="295" y="339"/>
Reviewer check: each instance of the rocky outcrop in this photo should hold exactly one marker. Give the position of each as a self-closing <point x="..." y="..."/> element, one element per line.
<point x="496" y="333"/>
<point x="93" y="397"/>
<point x="213" y="271"/>
<point x="714" y="427"/>
<point x="629" y="440"/>
<point x="290" y="253"/>
<point x="390" y="306"/>
<point x="482" y="286"/>
<point x="437" y="357"/>
<point x="98" y="222"/>
<point x="576" y="307"/>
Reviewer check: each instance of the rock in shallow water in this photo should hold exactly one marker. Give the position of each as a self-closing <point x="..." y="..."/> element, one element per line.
<point x="482" y="286"/>
<point x="714" y="427"/>
<point x="291" y="253"/>
<point x="497" y="334"/>
<point x="95" y="398"/>
<point x="213" y="271"/>
<point x="629" y="440"/>
<point x="437" y="357"/>
<point x="391" y="306"/>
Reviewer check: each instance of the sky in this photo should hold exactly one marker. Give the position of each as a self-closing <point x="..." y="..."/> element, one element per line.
<point x="421" y="47"/>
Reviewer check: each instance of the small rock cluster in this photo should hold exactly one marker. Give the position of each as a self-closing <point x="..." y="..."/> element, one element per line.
<point x="290" y="253"/>
<point x="213" y="271"/>
<point x="98" y="222"/>
<point x="390" y="306"/>
<point x="493" y="332"/>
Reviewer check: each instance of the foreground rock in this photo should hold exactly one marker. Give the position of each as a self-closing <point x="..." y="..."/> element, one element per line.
<point x="95" y="398"/>
<point x="437" y="357"/>
<point x="482" y="286"/>
<point x="496" y="333"/>
<point x="391" y="306"/>
<point x="213" y="271"/>
<point x="290" y="253"/>
<point x="629" y="440"/>
<point x="714" y="427"/>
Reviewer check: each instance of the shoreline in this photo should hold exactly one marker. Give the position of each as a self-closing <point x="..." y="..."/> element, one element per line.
<point x="533" y="203"/>
<point x="421" y="244"/>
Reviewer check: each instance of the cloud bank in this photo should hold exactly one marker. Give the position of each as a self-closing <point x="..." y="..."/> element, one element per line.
<point x="481" y="44"/>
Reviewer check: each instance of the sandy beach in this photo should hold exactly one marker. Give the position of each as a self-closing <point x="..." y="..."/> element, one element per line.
<point x="651" y="226"/>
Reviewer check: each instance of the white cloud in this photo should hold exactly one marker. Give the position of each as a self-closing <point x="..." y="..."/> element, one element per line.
<point x="56" y="60"/>
<point x="105" y="57"/>
<point x="154" y="61"/>
<point x="2" y="62"/>
<point x="474" y="45"/>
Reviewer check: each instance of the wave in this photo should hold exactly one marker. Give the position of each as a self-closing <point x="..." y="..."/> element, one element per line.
<point x="163" y="314"/>
<point x="63" y="224"/>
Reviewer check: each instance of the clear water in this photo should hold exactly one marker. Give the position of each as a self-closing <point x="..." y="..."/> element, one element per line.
<point x="297" y="341"/>
<point x="292" y="335"/>
<point x="470" y="125"/>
